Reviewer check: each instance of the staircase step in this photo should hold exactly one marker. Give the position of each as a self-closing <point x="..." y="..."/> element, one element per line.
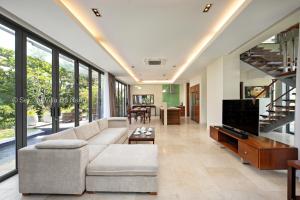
<point x="280" y="111"/>
<point x="286" y="107"/>
<point x="264" y="116"/>
<point x="275" y="117"/>
<point x="289" y="100"/>
<point x="276" y="69"/>
<point x="264" y="123"/>
<point x="287" y="74"/>
<point x="275" y="63"/>
<point x="268" y="120"/>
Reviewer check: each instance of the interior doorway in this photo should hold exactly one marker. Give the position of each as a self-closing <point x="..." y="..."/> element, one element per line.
<point x="194" y="102"/>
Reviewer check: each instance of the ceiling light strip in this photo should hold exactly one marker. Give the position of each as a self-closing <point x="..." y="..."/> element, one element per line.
<point x="233" y="11"/>
<point x="156" y="82"/>
<point x="202" y="45"/>
<point x="96" y="35"/>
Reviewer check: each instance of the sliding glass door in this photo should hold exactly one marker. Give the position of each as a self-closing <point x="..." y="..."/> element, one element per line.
<point x="102" y="86"/>
<point x="83" y="94"/>
<point x="66" y="92"/>
<point x="121" y="98"/>
<point x="43" y="89"/>
<point x="7" y="101"/>
<point x="39" y="90"/>
<point x="96" y="97"/>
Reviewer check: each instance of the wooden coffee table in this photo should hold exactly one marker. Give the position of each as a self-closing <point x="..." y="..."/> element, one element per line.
<point x="142" y="137"/>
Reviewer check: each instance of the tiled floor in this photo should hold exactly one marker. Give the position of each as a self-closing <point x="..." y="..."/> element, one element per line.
<point x="192" y="167"/>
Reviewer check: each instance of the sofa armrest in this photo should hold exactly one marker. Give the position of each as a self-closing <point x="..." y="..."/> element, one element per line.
<point x="52" y="171"/>
<point x="61" y="144"/>
<point x="117" y="122"/>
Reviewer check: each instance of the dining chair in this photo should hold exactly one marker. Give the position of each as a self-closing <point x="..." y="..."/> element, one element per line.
<point x="148" y="113"/>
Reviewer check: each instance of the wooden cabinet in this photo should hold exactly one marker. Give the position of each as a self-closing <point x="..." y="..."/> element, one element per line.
<point x="248" y="153"/>
<point x="173" y="116"/>
<point x="182" y="110"/>
<point x="214" y="133"/>
<point x="260" y="152"/>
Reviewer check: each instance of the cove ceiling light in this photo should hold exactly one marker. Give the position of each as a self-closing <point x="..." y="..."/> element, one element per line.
<point x="236" y="7"/>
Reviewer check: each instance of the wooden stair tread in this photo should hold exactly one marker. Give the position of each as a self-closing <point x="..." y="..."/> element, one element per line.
<point x="289" y="100"/>
<point x="268" y="120"/>
<point x="280" y="111"/>
<point x="287" y="74"/>
<point x="282" y="106"/>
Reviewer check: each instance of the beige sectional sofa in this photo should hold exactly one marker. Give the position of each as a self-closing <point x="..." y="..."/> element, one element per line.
<point x="90" y="157"/>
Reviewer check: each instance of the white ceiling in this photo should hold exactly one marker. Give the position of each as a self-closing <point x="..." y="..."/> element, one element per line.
<point x="139" y="29"/>
<point x="258" y="16"/>
<point x="50" y="19"/>
<point x="166" y="29"/>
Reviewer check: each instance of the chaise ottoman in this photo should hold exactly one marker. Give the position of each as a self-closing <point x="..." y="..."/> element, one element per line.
<point x="124" y="168"/>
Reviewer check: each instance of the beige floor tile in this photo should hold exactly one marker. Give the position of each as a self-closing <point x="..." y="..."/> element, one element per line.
<point x="192" y="167"/>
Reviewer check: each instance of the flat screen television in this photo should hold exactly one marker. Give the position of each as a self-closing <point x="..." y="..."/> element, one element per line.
<point x="242" y="115"/>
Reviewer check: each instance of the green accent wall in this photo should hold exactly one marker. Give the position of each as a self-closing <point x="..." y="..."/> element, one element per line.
<point x="171" y="96"/>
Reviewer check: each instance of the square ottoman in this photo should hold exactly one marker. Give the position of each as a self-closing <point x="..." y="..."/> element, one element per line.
<point x="124" y="168"/>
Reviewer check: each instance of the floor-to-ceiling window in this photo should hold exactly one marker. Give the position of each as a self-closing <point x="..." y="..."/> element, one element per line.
<point x="121" y="98"/>
<point x="96" y="95"/>
<point x="44" y="89"/>
<point x="83" y="94"/>
<point x="7" y="103"/>
<point x="102" y="85"/>
<point x="39" y="90"/>
<point x="66" y="92"/>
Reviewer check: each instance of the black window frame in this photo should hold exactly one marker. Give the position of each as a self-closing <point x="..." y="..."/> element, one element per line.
<point x="121" y="98"/>
<point x="21" y="35"/>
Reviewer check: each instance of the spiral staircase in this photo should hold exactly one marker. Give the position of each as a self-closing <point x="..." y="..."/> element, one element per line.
<point x="281" y="109"/>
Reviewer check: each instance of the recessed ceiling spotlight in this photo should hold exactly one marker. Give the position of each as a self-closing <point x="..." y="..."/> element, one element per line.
<point x="207" y="7"/>
<point x="96" y="12"/>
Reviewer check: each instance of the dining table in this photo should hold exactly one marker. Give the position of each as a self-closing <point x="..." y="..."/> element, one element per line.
<point x="141" y="111"/>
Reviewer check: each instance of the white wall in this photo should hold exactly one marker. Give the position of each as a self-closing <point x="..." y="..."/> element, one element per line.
<point x="203" y="98"/>
<point x="214" y="73"/>
<point x="223" y="80"/>
<point x="253" y="77"/>
<point x="182" y="94"/>
<point x="231" y="76"/>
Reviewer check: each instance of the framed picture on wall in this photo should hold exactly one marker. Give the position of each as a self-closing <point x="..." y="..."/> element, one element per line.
<point x="143" y="99"/>
<point x="253" y="91"/>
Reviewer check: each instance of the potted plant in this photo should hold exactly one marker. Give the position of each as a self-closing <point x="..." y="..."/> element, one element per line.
<point x="32" y="117"/>
<point x="68" y="114"/>
<point x="47" y="117"/>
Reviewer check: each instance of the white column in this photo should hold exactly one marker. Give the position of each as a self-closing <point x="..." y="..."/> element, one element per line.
<point x="165" y="107"/>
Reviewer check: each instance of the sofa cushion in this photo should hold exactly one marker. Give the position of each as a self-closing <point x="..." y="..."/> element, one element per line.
<point x="61" y="144"/>
<point x="87" y="131"/>
<point x="117" y="122"/>
<point x="94" y="150"/>
<point x="62" y="135"/>
<point x="108" y="136"/>
<point x="129" y="160"/>
<point x="103" y="124"/>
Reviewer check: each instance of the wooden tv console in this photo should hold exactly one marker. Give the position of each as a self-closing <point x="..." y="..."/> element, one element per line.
<point x="261" y="152"/>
